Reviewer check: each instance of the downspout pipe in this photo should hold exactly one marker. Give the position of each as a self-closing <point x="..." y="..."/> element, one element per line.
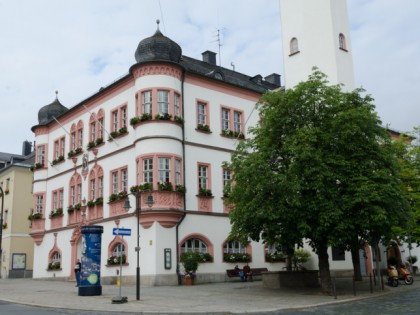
<point x="1" y="228"/>
<point x="183" y="172"/>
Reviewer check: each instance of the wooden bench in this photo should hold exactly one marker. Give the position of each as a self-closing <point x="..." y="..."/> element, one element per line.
<point x="232" y="273"/>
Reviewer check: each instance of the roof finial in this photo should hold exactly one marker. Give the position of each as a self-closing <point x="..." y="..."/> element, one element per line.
<point x="157" y="22"/>
<point x="56" y="95"/>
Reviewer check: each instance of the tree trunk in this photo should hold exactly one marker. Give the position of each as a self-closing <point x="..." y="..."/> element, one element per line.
<point x="355" y="258"/>
<point x="324" y="269"/>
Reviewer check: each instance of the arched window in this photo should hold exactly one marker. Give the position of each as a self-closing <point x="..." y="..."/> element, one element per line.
<point x="294" y="46"/>
<point x="54" y="261"/>
<point x="342" y="42"/>
<point x="194" y="245"/>
<point x="117" y="251"/>
<point x="274" y="253"/>
<point x="235" y="251"/>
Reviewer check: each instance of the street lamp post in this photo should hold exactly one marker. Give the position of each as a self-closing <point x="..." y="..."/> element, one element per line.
<point x="127" y="206"/>
<point x="1" y="227"/>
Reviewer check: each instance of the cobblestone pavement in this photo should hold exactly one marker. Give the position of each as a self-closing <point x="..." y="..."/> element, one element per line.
<point x="215" y="298"/>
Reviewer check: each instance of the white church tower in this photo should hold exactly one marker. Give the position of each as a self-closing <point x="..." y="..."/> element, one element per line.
<point x="316" y="33"/>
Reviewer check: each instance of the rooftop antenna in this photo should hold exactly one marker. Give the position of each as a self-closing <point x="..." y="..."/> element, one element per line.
<point x="219" y="43"/>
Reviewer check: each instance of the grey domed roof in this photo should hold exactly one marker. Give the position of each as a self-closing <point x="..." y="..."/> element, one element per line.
<point x="158" y="47"/>
<point x="46" y="113"/>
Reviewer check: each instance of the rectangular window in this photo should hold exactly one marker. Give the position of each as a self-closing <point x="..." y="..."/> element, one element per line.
<point x="164" y="170"/>
<point x="124" y="117"/>
<point x="101" y="128"/>
<point x="237" y="122"/>
<point x="73" y="141"/>
<point x="62" y="146"/>
<point x="79" y="193"/>
<point x="177" y="172"/>
<point x="114" y="121"/>
<point x="115" y="183"/>
<point x="55" y="200"/>
<point x="148" y="170"/>
<point x="124" y="180"/>
<point x="92" y="189"/>
<point x="201" y="114"/>
<point x="72" y="195"/>
<point x="56" y="149"/>
<point x="163" y="102"/>
<point x="147" y="102"/>
<point x="61" y="198"/>
<point x="176" y="104"/>
<point x="225" y="119"/>
<point x="80" y="132"/>
<point x="41" y="154"/>
<point x="203" y="177"/>
<point x="93" y="131"/>
<point x="39" y="204"/>
<point x="226" y="176"/>
<point x="100" y="187"/>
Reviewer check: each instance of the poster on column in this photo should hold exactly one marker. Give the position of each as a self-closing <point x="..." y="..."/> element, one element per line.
<point x="91" y="260"/>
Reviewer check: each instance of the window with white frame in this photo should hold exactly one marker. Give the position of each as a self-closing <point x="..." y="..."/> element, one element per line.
<point x="72" y="195"/>
<point x="41" y="154"/>
<point x="147" y="102"/>
<point x="203" y="180"/>
<point x="92" y="189"/>
<point x="119" y="250"/>
<point x="80" y="134"/>
<point x="55" y="200"/>
<point x="79" y="193"/>
<point x="194" y="245"/>
<point x="39" y="204"/>
<point x="62" y="146"/>
<point x="226" y="176"/>
<point x="114" y="116"/>
<point x="225" y="119"/>
<point x="177" y="172"/>
<point x="61" y="198"/>
<point x="201" y="114"/>
<point x="237" y="121"/>
<point x="100" y="186"/>
<point x="148" y="170"/>
<point x="73" y="141"/>
<point x="234" y="247"/>
<point x="56" y="149"/>
<point x="115" y="182"/>
<point x="163" y="102"/>
<point x="119" y="180"/>
<point x="123" y="117"/>
<point x="93" y="131"/>
<point x="56" y="257"/>
<point x="101" y="128"/>
<point x="164" y="170"/>
<point x="176" y="104"/>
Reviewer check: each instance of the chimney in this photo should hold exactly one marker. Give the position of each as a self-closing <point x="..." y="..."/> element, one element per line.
<point x="209" y="57"/>
<point x="26" y="148"/>
<point x="273" y="78"/>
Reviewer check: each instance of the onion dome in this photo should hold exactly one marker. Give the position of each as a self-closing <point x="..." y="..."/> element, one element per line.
<point x="158" y="47"/>
<point x="51" y="111"/>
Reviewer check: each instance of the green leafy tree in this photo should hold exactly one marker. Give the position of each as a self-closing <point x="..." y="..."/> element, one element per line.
<point x="318" y="167"/>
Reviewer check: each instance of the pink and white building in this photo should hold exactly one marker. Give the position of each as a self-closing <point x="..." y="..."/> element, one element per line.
<point x="166" y="127"/>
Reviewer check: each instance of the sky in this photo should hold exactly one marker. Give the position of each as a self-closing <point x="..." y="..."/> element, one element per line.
<point x="77" y="46"/>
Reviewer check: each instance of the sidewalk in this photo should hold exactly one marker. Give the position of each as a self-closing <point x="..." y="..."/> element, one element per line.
<point x="222" y="298"/>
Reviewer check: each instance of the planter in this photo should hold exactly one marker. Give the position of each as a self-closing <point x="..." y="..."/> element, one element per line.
<point x="291" y="279"/>
<point x="189" y="281"/>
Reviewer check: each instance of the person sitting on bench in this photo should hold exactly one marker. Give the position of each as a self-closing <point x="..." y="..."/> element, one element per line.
<point x="247" y="273"/>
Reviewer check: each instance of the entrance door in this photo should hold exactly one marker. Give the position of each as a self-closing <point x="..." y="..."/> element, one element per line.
<point x="362" y="257"/>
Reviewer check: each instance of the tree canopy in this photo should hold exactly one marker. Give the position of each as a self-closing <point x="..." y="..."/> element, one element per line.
<point x="317" y="167"/>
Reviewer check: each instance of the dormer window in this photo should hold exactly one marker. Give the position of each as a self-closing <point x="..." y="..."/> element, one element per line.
<point x="218" y="76"/>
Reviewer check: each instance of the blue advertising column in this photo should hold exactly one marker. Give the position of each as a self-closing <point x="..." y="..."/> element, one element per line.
<point x="90" y="276"/>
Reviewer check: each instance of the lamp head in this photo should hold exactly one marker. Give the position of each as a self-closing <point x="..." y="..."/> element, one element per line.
<point x="127" y="205"/>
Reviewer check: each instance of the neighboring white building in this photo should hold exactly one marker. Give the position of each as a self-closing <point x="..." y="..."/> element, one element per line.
<point x="171" y="119"/>
<point x="316" y="33"/>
